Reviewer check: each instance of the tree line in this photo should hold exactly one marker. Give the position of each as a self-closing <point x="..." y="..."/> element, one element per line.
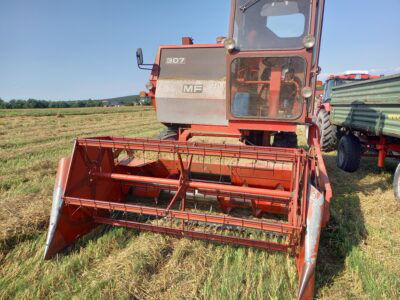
<point x="34" y="103"/>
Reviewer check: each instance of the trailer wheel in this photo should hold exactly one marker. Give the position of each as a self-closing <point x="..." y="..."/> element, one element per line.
<point x="168" y="134"/>
<point x="396" y="183"/>
<point x="328" y="131"/>
<point x="349" y="153"/>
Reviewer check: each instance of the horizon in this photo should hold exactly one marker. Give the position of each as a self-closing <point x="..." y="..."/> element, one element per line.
<point x="86" y="50"/>
<point x="70" y="100"/>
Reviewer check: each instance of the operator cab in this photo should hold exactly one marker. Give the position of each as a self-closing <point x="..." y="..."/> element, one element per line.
<point x="268" y="73"/>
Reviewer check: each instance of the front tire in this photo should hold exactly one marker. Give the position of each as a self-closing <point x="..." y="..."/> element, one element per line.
<point x="328" y="132"/>
<point x="349" y="153"/>
<point x="168" y="134"/>
<point x="396" y="183"/>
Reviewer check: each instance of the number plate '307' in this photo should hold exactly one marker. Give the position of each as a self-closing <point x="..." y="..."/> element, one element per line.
<point x="175" y="60"/>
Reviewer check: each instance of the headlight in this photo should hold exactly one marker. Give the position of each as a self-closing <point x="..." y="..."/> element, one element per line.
<point x="306" y="92"/>
<point x="149" y="86"/>
<point x="309" y="41"/>
<point x="229" y="44"/>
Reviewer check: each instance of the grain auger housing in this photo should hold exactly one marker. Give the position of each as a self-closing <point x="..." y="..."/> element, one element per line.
<point x="256" y="85"/>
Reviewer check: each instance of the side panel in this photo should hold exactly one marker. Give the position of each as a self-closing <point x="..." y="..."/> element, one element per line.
<point x="370" y="106"/>
<point x="68" y="223"/>
<point x="373" y="119"/>
<point x="379" y="91"/>
<point x="191" y="87"/>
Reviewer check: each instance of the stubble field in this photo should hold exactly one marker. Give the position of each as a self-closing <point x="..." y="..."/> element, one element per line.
<point x="359" y="253"/>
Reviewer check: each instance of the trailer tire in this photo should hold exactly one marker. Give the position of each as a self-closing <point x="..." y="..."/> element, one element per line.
<point x="396" y="183"/>
<point x="168" y="134"/>
<point x="328" y="132"/>
<point x="349" y="153"/>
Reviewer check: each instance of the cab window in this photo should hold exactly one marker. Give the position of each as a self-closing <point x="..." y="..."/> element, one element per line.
<point x="271" y="24"/>
<point x="267" y="87"/>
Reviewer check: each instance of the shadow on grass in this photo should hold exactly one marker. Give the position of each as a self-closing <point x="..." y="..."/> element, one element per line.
<point x="8" y="243"/>
<point x="346" y="228"/>
<point x="94" y="236"/>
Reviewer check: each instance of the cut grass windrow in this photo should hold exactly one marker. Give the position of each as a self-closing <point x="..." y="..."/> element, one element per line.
<point x="24" y="133"/>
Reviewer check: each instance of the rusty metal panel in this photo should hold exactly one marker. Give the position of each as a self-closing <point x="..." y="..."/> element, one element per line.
<point x="369" y="106"/>
<point x="191" y="88"/>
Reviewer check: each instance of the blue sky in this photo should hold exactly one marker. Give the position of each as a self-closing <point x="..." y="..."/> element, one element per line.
<point x="80" y="49"/>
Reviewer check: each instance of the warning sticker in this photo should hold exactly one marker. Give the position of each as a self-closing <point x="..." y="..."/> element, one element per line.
<point x="394" y="116"/>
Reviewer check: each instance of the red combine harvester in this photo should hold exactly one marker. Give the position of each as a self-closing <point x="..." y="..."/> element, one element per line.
<point x="257" y="85"/>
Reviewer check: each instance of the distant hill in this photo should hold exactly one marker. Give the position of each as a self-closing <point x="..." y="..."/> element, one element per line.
<point x="34" y="103"/>
<point x="124" y="100"/>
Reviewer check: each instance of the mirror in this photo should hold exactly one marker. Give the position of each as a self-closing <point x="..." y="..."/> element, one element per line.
<point x="141" y="64"/>
<point x="280" y="8"/>
<point x="139" y="56"/>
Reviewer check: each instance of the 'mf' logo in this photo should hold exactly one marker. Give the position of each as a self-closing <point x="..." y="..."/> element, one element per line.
<point x="192" y="88"/>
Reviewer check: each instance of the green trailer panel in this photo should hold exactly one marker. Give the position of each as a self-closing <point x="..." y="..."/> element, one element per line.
<point x="371" y="106"/>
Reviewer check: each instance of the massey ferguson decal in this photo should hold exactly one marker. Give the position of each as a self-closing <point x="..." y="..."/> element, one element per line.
<point x="193" y="88"/>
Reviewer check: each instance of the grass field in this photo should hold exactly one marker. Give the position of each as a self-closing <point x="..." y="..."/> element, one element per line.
<point x="359" y="254"/>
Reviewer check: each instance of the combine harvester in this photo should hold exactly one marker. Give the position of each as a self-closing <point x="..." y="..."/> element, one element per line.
<point x="257" y="85"/>
<point x="362" y="118"/>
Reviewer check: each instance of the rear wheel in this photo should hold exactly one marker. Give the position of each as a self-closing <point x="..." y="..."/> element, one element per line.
<point x="168" y="134"/>
<point x="328" y="131"/>
<point x="349" y="153"/>
<point x="396" y="183"/>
